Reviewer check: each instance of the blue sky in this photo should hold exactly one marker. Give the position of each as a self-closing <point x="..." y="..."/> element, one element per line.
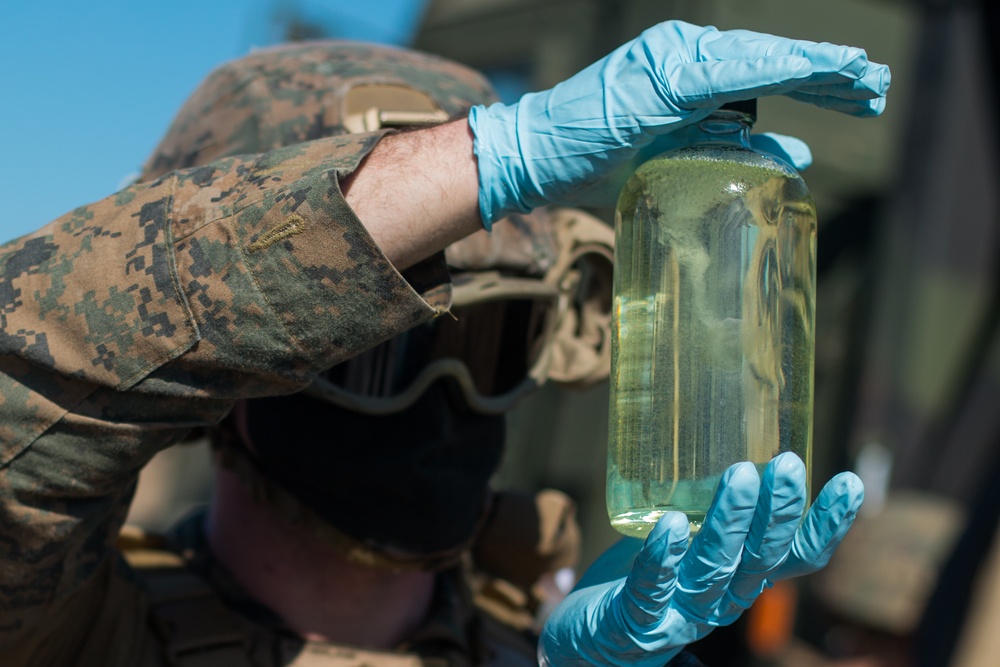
<point x="87" y="89"/>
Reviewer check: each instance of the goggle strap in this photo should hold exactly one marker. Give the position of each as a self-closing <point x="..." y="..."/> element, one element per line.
<point x="326" y="390"/>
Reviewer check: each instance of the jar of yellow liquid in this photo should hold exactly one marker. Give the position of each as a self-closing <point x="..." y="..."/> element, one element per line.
<point x="714" y="327"/>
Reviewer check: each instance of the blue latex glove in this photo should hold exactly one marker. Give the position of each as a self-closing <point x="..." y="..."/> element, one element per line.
<point x="792" y="150"/>
<point x="642" y="610"/>
<point x="576" y="143"/>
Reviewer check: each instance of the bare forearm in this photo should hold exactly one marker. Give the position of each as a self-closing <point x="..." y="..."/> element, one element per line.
<point x="417" y="192"/>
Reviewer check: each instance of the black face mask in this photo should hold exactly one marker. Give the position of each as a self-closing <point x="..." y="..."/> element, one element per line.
<point x="414" y="482"/>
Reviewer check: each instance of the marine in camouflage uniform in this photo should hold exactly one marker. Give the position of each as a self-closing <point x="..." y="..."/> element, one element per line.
<point x="130" y="322"/>
<point x="234" y="270"/>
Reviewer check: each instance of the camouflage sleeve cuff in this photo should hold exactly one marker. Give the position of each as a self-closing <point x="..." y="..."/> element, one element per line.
<point x="243" y="277"/>
<point x="310" y="287"/>
<point x="111" y="291"/>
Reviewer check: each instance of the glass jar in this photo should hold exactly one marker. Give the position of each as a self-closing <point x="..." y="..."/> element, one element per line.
<point x="714" y="328"/>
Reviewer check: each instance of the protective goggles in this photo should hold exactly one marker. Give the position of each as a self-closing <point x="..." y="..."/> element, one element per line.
<point x="494" y="344"/>
<point x="505" y="336"/>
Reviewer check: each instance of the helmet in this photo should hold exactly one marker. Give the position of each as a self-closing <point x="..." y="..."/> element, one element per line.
<point x="284" y="95"/>
<point x="530" y="303"/>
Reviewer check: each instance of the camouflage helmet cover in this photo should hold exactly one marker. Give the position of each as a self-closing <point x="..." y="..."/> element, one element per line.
<point x="284" y="95"/>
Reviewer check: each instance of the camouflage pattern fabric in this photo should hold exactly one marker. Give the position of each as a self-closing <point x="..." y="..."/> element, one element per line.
<point x="285" y="95"/>
<point x="131" y="320"/>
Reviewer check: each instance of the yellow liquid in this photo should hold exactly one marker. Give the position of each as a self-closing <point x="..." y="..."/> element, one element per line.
<point x="713" y="331"/>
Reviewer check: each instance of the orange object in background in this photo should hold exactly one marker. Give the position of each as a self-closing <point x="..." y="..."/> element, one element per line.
<point x="771" y="619"/>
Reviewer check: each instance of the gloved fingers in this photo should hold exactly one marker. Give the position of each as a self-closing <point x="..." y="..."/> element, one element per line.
<point x="836" y="71"/>
<point x="871" y="84"/>
<point x="779" y="511"/>
<point x="825" y="525"/>
<point x="702" y="85"/>
<point x="860" y="108"/>
<point x="614" y="563"/>
<point x="835" y="85"/>
<point x="709" y="84"/>
<point x="780" y="504"/>
<point x="650" y="584"/>
<point x="790" y="149"/>
<point x="708" y="43"/>
<point x="624" y="621"/>
<point x="711" y="561"/>
<point x="849" y="61"/>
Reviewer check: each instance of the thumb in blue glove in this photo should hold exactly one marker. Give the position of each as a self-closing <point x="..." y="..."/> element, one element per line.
<point x="644" y="610"/>
<point x="575" y="143"/>
<point x="792" y="150"/>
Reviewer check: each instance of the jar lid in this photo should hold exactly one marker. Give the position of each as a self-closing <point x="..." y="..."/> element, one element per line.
<point x="746" y="106"/>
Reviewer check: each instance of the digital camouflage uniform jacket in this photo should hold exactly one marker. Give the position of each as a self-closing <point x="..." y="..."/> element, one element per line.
<point x="129" y="321"/>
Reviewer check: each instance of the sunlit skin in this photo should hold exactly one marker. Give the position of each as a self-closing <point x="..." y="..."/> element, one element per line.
<point x="433" y="200"/>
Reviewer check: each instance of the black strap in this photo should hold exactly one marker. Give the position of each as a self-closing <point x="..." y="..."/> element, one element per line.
<point x="195" y="627"/>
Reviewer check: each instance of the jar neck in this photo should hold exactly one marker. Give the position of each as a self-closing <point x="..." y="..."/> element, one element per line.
<point x="725" y="126"/>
